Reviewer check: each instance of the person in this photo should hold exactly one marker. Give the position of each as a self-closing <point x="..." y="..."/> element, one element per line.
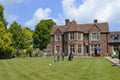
<point x="58" y="57"/>
<point x="113" y="54"/>
<point x="55" y="58"/>
<point x="119" y="56"/>
<point x="63" y="54"/>
<point x="70" y="56"/>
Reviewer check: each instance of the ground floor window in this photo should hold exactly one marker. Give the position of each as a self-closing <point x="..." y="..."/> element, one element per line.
<point x="79" y="48"/>
<point x="57" y="49"/>
<point x="72" y="48"/>
<point x="95" y="46"/>
<point x="116" y="47"/>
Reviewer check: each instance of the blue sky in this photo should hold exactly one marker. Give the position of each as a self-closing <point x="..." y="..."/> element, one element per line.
<point x="30" y="12"/>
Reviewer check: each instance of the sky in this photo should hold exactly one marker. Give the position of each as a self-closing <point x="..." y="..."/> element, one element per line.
<point x="29" y="12"/>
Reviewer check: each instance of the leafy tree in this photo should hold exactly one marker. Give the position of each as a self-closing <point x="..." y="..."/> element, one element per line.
<point x="5" y="42"/>
<point x="28" y="33"/>
<point x="28" y="36"/>
<point x="2" y="16"/>
<point x="19" y="40"/>
<point x="41" y="36"/>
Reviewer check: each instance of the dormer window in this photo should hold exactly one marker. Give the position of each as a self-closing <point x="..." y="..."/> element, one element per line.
<point x="57" y="37"/>
<point x="95" y="36"/>
<point x="115" y="37"/>
<point x="71" y="36"/>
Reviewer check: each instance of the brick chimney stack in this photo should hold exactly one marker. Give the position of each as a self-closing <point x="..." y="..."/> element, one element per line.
<point x="95" y="21"/>
<point x="67" y="22"/>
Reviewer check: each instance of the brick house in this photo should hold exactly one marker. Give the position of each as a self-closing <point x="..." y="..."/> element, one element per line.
<point x="82" y="39"/>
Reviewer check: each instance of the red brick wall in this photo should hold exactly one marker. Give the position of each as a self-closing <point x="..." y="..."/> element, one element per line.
<point x="51" y="44"/>
<point x="103" y="41"/>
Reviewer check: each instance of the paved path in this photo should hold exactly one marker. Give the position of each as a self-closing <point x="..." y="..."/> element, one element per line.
<point x="114" y="60"/>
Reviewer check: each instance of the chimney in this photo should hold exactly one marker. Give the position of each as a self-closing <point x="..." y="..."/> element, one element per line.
<point x="67" y="22"/>
<point x="95" y="21"/>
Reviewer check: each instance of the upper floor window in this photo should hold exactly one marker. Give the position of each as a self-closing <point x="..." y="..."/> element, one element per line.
<point x="79" y="36"/>
<point x="71" y="36"/>
<point x="86" y="36"/>
<point x="57" y="37"/>
<point x="95" y="36"/>
<point x="115" y="37"/>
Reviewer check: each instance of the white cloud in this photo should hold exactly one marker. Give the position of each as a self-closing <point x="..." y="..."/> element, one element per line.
<point x="38" y="15"/>
<point x="11" y="2"/>
<point x="103" y="10"/>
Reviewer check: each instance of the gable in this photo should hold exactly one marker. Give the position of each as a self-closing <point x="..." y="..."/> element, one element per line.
<point x="57" y="31"/>
<point x="95" y="28"/>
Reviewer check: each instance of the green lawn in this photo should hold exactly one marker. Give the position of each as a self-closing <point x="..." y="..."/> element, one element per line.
<point x="39" y="69"/>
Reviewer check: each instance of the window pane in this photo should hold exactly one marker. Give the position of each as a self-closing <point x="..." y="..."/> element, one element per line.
<point x="115" y="37"/>
<point x="71" y="36"/>
<point x="79" y="36"/>
<point x="79" y="49"/>
<point x="86" y="36"/>
<point x="72" y="48"/>
<point x="57" y="49"/>
<point x="57" y="38"/>
<point x="95" y="36"/>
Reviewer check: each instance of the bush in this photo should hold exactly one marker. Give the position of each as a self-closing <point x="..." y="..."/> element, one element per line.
<point x="13" y="52"/>
<point x="37" y="53"/>
<point x="29" y="52"/>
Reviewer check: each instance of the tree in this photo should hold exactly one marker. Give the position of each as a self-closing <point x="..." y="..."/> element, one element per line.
<point x="5" y="42"/>
<point x="41" y="36"/>
<point x="19" y="40"/>
<point x="28" y="35"/>
<point x="2" y="16"/>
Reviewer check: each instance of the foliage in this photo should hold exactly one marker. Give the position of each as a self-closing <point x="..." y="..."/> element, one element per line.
<point x="2" y="16"/>
<point x="19" y="39"/>
<point x="5" y="42"/>
<point x="37" y="53"/>
<point x="28" y="33"/>
<point x="29" y="52"/>
<point x="41" y="35"/>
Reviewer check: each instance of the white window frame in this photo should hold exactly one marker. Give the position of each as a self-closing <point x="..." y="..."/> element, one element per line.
<point x="72" y="36"/>
<point x="57" y="38"/>
<point x="79" y="48"/>
<point x="79" y="36"/>
<point x="57" y="49"/>
<point x="95" y="36"/>
<point x="72" y="48"/>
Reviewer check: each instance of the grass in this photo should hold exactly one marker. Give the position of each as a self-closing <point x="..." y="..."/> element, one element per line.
<point x="39" y="69"/>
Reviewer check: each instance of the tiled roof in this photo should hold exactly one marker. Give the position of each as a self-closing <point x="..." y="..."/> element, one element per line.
<point x="73" y="26"/>
<point x="102" y="26"/>
<point x="62" y="29"/>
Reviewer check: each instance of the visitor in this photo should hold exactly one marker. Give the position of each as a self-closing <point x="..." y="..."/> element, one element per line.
<point x="70" y="56"/>
<point x="63" y="54"/>
<point x="113" y="54"/>
<point x="55" y="58"/>
<point x="119" y="56"/>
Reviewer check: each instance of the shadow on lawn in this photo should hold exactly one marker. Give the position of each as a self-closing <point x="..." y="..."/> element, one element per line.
<point x="113" y="65"/>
